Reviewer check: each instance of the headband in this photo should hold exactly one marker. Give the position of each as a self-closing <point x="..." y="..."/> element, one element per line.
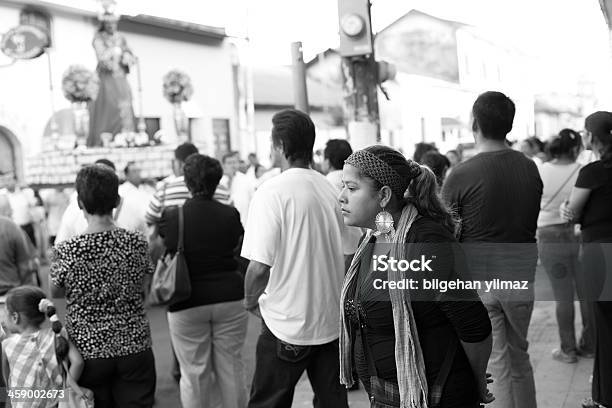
<point x="370" y="165"/>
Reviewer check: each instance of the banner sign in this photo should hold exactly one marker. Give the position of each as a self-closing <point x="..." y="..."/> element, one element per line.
<point x="24" y="42"/>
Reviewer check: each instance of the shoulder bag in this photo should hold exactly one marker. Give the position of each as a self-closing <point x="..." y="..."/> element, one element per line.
<point x="171" y="282"/>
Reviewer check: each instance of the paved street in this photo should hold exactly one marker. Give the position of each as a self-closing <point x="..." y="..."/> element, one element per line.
<point x="558" y="385"/>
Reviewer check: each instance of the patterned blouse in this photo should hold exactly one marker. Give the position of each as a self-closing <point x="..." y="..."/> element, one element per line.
<point x="103" y="277"/>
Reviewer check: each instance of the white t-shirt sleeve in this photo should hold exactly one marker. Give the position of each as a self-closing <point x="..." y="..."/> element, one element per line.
<point x="263" y="230"/>
<point x="67" y="228"/>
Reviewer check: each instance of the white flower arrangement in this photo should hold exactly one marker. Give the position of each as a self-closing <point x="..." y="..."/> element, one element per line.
<point x="80" y="84"/>
<point x="177" y="86"/>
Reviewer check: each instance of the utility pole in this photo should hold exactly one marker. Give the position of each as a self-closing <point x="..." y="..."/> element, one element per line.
<point x="359" y="72"/>
<point x="300" y="93"/>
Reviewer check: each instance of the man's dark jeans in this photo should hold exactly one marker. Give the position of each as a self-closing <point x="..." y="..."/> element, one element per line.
<point x="280" y="365"/>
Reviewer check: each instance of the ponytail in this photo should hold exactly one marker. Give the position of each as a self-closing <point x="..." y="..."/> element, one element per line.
<point x="423" y="194"/>
<point x="61" y="344"/>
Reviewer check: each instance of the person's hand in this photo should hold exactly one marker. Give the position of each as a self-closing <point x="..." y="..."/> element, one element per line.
<point x="484" y="394"/>
<point x="567" y="214"/>
<point x="255" y="311"/>
<point x="250" y="307"/>
<point x="88" y="394"/>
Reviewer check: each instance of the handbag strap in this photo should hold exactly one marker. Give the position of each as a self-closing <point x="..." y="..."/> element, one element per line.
<point x="560" y="188"/>
<point x="181" y="231"/>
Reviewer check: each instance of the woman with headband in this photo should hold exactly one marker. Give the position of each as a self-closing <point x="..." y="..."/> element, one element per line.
<point x="412" y="348"/>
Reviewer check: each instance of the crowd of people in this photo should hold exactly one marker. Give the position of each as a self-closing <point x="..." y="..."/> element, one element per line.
<point x="298" y="249"/>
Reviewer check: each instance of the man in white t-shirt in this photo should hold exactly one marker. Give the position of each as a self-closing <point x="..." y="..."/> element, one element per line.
<point x="22" y="202"/>
<point x="294" y="243"/>
<point x="132" y="188"/>
<point x="239" y="186"/>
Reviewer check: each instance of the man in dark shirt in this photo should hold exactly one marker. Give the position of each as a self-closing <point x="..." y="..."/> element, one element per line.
<point x="14" y="256"/>
<point x="497" y="195"/>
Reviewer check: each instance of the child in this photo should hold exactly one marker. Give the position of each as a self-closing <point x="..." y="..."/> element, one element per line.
<point x="33" y="357"/>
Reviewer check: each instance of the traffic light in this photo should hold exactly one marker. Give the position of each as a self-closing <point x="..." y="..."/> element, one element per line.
<point x="355" y="27"/>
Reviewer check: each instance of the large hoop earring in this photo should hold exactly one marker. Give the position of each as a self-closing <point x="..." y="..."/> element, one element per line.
<point x="384" y="222"/>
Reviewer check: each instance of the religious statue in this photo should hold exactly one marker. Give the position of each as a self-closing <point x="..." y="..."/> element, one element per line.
<point x="112" y="111"/>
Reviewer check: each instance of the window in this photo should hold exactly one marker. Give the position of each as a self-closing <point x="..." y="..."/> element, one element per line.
<point x="221" y="134"/>
<point x="152" y="126"/>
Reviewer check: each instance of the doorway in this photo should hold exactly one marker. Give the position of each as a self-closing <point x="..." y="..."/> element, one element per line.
<point x="11" y="161"/>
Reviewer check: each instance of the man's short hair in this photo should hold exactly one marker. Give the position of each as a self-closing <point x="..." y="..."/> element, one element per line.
<point x="337" y="151"/>
<point x="438" y="163"/>
<point x="183" y="151"/>
<point x="420" y="149"/>
<point x="97" y="187"/>
<point x="295" y="132"/>
<point x="493" y="114"/>
<point x="107" y="163"/>
<point x="228" y="155"/>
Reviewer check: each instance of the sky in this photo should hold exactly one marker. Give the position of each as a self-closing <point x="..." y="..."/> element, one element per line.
<point x="567" y="39"/>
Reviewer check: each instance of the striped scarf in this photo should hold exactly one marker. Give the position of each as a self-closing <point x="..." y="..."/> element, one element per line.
<point x="408" y="355"/>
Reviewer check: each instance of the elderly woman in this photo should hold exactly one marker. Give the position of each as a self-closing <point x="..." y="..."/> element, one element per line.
<point x="101" y="275"/>
<point x="208" y="329"/>
<point x="411" y="348"/>
<point x="589" y="204"/>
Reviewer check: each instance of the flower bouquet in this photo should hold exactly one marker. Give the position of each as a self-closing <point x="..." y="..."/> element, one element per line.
<point x="178" y="89"/>
<point x="79" y="84"/>
<point x="177" y="86"/>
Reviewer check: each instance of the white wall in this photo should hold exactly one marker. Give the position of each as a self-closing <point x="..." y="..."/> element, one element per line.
<point x="210" y="69"/>
<point x="487" y="66"/>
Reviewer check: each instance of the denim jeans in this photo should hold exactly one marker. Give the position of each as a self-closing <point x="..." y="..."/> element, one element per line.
<point x="559" y="250"/>
<point x="280" y="365"/>
<point x="510" y="314"/>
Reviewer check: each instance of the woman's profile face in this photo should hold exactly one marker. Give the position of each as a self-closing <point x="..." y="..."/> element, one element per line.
<point x="358" y="200"/>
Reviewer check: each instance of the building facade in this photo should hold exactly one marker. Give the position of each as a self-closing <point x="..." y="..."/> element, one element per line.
<point x="204" y="53"/>
<point x="442" y="67"/>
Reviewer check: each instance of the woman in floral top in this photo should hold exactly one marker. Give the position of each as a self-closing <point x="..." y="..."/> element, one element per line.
<point x="101" y="274"/>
